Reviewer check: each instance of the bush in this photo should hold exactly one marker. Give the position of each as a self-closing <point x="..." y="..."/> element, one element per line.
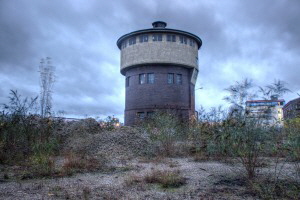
<point x="279" y="189"/>
<point x="163" y="128"/>
<point x="82" y="163"/>
<point x="292" y="130"/>
<point x="24" y="134"/>
<point x="166" y="178"/>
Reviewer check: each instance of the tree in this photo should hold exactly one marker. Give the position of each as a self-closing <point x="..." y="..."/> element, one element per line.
<point x="278" y="88"/>
<point x="239" y="93"/>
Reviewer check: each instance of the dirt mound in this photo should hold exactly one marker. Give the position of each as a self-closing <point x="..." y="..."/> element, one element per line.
<point x="120" y="144"/>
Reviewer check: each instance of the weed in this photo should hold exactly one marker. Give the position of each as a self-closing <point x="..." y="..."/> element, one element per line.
<point x="81" y="163"/>
<point x="167" y="179"/>
<point x="163" y="128"/>
<point x="43" y="165"/>
<point x="133" y="179"/>
<point x="281" y="189"/>
<point x="86" y="192"/>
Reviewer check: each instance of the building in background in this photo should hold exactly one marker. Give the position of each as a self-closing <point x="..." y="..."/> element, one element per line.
<point x="268" y="111"/>
<point x="292" y="109"/>
<point x="161" y="68"/>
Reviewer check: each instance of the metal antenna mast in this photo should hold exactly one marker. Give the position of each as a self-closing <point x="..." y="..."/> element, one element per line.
<point x="46" y="83"/>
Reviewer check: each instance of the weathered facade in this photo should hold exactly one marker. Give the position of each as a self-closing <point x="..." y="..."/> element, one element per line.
<point x="161" y="68"/>
<point x="292" y="109"/>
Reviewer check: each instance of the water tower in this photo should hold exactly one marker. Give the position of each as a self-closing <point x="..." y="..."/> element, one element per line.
<point x="161" y="68"/>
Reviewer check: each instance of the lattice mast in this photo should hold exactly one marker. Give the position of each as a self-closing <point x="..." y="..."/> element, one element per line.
<point x="46" y="84"/>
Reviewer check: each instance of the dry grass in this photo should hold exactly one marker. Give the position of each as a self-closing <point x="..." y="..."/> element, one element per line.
<point x="133" y="179"/>
<point x="276" y="189"/>
<point x="81" y="163"/>
<point x="200" y="156"/>
<point x="166" y="178"/>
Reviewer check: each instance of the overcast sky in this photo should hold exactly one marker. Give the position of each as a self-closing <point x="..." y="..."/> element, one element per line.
<point x="256" y="39"/>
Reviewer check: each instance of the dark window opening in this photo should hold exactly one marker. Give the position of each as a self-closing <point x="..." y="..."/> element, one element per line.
<point x="140" y="115"/>
<point x="171" y="38"/>
<point x="150" y="114"/>
<point x="170" y="78"/>
<point x="127" y="81"/>
<point x="132" y="41"/>
<point x="150" y="78"/>
<point x="144" y="38"/>
<point x="183" y="40"/>
<point x="157" y="37"/>
<point x="124" y="44"/>
<point x="179" y="79"/>
<point x="142" y="78"/>
<point x="192" y="43"/>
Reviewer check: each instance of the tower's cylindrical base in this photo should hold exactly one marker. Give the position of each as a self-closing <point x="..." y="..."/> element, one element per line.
<point x="158" y="88"/>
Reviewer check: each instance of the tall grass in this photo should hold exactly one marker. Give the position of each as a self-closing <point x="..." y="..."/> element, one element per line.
<point x="23" y="134"/>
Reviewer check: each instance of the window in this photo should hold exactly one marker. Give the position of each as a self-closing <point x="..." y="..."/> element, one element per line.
<point x="183" y="40"/>
<point x="124" y="44"/>
<point x="132" y="41"/>
<point x="140" y="115"/>
<point x="170" y="78"/>
<point x="171" y="38"/>
<point x="142" y="78"/>
<point x="127" y="81"/>
<point x="192" y="43"/>
<point x="150" y="114"/>
<point x="157" y="37"/>
<point x="150" y="78"/>
<point x="144" y="38"/>
<point x="179" y="79"/>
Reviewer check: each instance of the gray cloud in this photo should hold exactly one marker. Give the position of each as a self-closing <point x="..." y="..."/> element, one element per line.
<point x="255" y="39"/>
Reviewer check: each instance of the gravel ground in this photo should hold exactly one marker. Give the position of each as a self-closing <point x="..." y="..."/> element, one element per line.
<point x="121" y="144"/>
<point x="205" y="180"/>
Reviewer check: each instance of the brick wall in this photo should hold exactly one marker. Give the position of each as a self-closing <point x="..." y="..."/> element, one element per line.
<point x="160" y="95"/>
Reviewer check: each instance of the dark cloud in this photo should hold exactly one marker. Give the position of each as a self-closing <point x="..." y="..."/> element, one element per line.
<point x="258" y="39"/>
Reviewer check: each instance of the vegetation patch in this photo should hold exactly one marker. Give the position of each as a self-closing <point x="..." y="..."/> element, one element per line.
<point x="276" y="189"/>
<point x="166" y="178"/>
<point x="75" y="163"/>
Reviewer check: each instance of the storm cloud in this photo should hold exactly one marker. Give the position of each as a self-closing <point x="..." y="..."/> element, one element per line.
<point x="257" y="39"/>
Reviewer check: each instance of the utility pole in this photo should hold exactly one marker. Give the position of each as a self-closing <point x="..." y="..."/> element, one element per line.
<point x="46" y="83"/>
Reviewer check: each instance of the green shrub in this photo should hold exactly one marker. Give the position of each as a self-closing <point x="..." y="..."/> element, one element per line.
<point x="24" y="134"/>
<point x="292" y="130"/>
<point x="164" y="128"/>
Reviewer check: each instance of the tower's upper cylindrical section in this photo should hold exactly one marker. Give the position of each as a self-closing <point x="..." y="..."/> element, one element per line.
<point x="159" y="45"/>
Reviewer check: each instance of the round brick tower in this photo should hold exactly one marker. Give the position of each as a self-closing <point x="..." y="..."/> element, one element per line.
<point x="161" y="68"/>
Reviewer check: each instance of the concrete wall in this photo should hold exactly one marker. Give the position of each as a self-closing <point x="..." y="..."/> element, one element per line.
<point x="159" y="52"/>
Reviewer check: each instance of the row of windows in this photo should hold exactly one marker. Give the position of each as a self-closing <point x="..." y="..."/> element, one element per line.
<point x="146" y="78"/>
<point x="171" y="77"/>
<point x="264" y="103"/>
<point x="149" y="78"/>
<point x="158" y="37"/>
<point x="142" y="115"/>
